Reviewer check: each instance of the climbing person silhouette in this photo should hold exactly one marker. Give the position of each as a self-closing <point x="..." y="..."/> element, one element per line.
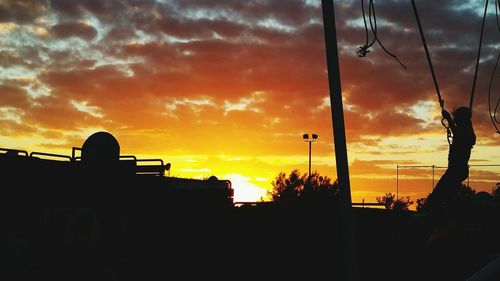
<point x="463" y="139"/>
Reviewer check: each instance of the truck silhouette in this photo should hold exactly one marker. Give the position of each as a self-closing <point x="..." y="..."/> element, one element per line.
<point x="100" y="175"/>
<point x="118" y="207"/>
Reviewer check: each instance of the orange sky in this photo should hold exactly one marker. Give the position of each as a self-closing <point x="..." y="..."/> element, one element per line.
<point x="227" y="88"/>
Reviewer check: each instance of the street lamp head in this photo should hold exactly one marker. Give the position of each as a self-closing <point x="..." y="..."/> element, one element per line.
<point x="314" y="136"/>
<point x="305" y="137"/>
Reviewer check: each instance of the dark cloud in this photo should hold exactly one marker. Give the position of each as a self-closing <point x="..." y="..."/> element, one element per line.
<point x="72" y="8"/>
<point x="381" y="123"/>
<point x="476" y="173"/>
<point x="13" y="96"/>
<point x="73" y="29"/>
<point x="119" y="33"/>
<point x="292" y="13"/>
<point x="8" y="59"/>
<point x="21" y="11"/>
<point x="52" y="112"/>
<point x="103" y="9"/>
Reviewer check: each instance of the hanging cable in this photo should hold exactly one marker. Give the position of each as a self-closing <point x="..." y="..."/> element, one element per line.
<point x="427" y="54"/>
<point x="496" y="109"/>
<point x="429" y="61"/>
<point x="375" y="33"/>
<point x="364" y="50"/>
<point x="492" y="114"/>
<point x="478" y="57"/>
<point x="497" y="11"/>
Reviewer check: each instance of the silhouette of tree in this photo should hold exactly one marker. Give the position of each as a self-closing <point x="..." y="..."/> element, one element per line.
<point x="496" y="192"/>
<point x="303" y="188"/>
<point x="402" y="204"/>
<point x="421" y="204"/>
<point x="387" y="200"/>
<point x="463" y="195"/>
<point x="391" y="203"/>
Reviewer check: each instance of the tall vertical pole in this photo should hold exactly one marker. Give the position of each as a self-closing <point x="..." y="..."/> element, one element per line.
<point x="310" y="158"/>
<point x="346" y="217"/>
<point x="397" y="181"/>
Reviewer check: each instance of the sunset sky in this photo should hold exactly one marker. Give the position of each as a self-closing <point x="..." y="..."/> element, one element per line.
<point x="227" y="88"/>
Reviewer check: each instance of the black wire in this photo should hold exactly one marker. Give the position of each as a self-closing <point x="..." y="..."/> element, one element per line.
<point x="363" y="50"/>
<point x="493" y="117"/>
<point x="427" y="54"/>
<point x="371" y="10"/>
<point x="496" y="109"/>
<point x="375" y="33"/>
<point x="497" y="6"/>
<point x="434" y="78"/>
<point x="364" y="21"/>
<point x="478" y="57"/>
<point x="497" y="9"/>
<point x="371" y="13"/>
<point x="493" y="114"/>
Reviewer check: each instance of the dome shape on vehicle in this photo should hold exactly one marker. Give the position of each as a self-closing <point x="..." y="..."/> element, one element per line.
<point x="100" y="147"/>
<point x="212" y="178"/>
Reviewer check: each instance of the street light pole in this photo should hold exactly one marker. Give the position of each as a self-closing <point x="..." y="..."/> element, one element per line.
<point x="310" y="145"/>
<point x="313" y="138"/>
<point x="397" y="181"/>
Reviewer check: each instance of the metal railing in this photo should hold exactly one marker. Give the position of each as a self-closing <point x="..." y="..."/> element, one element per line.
<point x="158" y="167"/>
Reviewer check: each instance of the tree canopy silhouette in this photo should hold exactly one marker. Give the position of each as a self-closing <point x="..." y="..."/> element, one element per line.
<point x="303" y="188"/>
<point x="462" y="197"/>
<point x="496" y="192"/>
<point x="391" y="203"/>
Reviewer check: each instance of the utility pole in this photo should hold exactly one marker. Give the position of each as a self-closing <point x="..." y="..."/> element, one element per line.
<point x="346" y="217"/>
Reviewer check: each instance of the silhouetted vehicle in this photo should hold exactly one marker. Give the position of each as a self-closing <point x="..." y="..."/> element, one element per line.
<point x="141" y="215"/>
<point x="101" y="176"/>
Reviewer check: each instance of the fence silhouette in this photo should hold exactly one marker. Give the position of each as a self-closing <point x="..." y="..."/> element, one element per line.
<point x="480" y="170"/>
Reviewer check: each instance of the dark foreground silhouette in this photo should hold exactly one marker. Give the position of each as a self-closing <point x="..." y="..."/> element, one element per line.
<point x="441" y="202"/>
<point x="110" y="217"/>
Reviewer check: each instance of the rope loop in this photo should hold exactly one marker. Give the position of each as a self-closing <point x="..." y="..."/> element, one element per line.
<point x="362" y="51"/>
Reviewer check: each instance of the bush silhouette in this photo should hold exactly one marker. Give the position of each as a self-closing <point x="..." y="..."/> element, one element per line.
<point x="391" y="203"/>
<point x="303" y="188"/>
